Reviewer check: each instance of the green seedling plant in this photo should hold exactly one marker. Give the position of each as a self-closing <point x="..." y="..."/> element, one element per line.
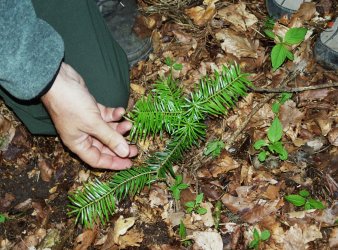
<point x="175" y="116"/>
<point x="282" y="50"/>
<point x="177" y="187"/>
<point x="282" y="99"/>
<point x="273" y="143"/>
<point x="183" y="234"/>
<point x="195" y="206"/>
<point x="214" y="148"/>
<point x="259" y="237"/>
<point x="217" y="214"/>
<point x="303" y="199"/>
<point x="3" y="218"/>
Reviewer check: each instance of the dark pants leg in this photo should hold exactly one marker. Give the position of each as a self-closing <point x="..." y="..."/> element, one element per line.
<point x="89" y="49"/>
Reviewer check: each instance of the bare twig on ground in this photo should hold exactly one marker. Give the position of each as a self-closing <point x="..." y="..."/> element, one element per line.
<point x="292" y="90"/>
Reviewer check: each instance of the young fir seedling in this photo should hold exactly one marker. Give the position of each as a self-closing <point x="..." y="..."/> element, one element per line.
<point x="282" y="49"/>
<point x="303" y="199"/>
<point x="214" y="148"/>
<point x="274" y="144"/>
<point x="183" y="235"/>
<point x="178" y="187"/>
<point x="195" y="206"/>
<point x="257" y="238"/>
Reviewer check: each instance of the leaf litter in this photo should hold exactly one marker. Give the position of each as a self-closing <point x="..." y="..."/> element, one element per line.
<point x="202" y="37"/>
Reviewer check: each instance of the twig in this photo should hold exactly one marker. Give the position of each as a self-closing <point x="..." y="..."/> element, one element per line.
<point x="299" y="89"/>
<point x="233" y="137"/>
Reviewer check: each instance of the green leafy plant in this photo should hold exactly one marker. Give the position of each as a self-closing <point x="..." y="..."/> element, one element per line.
<point x="214" y="148"/>
<point x="258" y="237"/>
<point x="195" y="206"/>
<point x="273" y="145"/>
<point x="166" y="110"/>
<point x="183" y="234"/>
<point x="3" y="218"/>
<point x="178" y="187"/>
<point x="217" y="213"/>
<point x="282" y="50"/>
<point x="282" y="99"/>
<point x="303" y="199"/>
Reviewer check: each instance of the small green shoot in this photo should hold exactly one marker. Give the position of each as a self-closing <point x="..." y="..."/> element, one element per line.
<point x="169" y="62"/>
<point x="282" y="50"/>
<point x="178" y="187"/>
<point x="257" y="238"/>
<point x="214" y="148"/>
<point x="195" y="206"/>
<point x="217" y="214"/>
<point x="3" y="218"/>
<point x="283" y="98"/>
<point x="303" y="199"/>
<point x="183" y="234"/>
<point x="273" y="145"/>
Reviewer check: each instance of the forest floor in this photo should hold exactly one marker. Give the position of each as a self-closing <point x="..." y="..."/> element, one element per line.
<point x="242" y="195"/>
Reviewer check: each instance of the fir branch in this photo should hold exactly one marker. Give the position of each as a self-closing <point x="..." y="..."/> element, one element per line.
<point x="165" y="110"/>
<point x="98" y="199"/>
<point x="218" y="93"/>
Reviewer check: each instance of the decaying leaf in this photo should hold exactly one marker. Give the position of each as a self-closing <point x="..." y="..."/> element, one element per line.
<point x="138" y="89"/>
<point x="121" y="227"/>
<point x="132" y="238"/>
<point x="86" y="239"/>
<point x="7" y="132"/>
<point x="298" y="237"/>
<point x="236" y="44"/>
<point x="207" y="240"/>
<point x="201" y="15"/>
<point x="333" y="241"/>
<point x="237" y="15"/>
<point x="333" y="137"/>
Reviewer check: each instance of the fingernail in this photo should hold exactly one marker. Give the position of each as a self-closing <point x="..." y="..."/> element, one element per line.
<point x="122" y="150"/>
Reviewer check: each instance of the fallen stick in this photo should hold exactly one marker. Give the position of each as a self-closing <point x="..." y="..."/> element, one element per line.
<point x="293" y="90"/>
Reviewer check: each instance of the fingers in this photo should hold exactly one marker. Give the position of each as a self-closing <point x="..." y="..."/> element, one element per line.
<point x="97" y="159"/>
<point x="111" y="114"/>
<point x="111" y="138"/>
<point x="105" y="150"/>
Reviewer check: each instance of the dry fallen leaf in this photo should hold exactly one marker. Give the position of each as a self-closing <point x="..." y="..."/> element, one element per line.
<point x="201" y="15"/>
<point x="46" y="170"/>
<point x="333" y="137"/>
<point x="138" y="89"/>
<point x="237" y="15"/>
<point x="85" y="239"/>
<point x="121" y="227"/>
<point x="236" y="44"/>
<point x="207" y="240"/>
<point x="132" y="238"/>
<point x="333" y="241"/>
<point x="7" y="132"/>
<point x="223" y="164"/>
<point x="291" y="118"/>
<point x="158" y="196"/>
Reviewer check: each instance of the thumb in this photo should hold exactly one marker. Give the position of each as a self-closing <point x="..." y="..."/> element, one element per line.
<point x="112" y="139"/>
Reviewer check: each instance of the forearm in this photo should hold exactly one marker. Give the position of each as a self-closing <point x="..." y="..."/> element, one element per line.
<point x="30" y="50"/>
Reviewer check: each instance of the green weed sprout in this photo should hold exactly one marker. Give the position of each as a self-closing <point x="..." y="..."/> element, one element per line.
<point x="195" y="206"/>
<point x="178" y="187"/>
<point x="257" y="238"/>
<point x="214" y="148"/>
<point x="303" y="199"/>
<point x="282" y="50"/>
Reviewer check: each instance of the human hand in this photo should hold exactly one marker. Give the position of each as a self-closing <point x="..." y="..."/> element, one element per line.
<point x="87" y="128"/>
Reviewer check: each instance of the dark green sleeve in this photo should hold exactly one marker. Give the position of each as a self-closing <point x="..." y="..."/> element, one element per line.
<point x="30" y="50"/>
